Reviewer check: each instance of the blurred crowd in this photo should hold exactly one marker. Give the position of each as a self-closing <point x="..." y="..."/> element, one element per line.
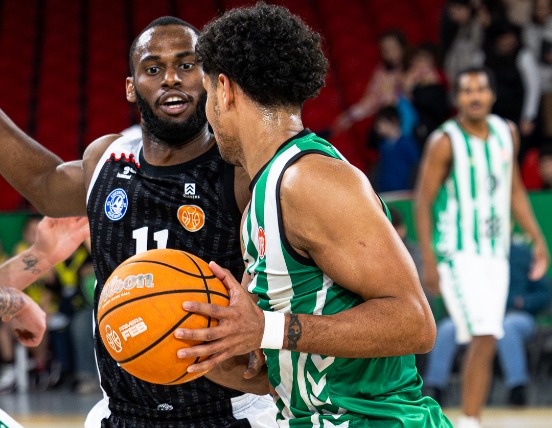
<point x="408" y="95"/>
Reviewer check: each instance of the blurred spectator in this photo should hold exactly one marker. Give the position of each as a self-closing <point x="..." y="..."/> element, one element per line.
<point x="461" y="36"/>
<point x="537" y="36"/>
<point x="545" y="167"/>
<point x="426" y="86"/>
<point x="525" y="299"/>
<point x="517" y="78"/>
<point x="399" y="154"/>
<point x="519" y="12"/>
<point x="385" y="86"/>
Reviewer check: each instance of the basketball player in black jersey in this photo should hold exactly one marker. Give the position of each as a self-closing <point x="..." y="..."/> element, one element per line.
<point x="171" y="189"/>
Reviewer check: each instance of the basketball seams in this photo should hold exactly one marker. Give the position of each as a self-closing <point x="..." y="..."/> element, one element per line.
<point x="158" y="341"/>
<point x="207" y="289"/>
<point x="201" y="275"/>
<point x="147" y="296"/>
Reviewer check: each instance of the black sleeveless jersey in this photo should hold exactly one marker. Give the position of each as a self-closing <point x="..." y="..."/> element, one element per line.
<point x="133" y="207"/>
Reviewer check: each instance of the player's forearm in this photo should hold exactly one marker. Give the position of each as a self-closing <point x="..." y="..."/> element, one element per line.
<point x="11" y="302"/>
<point x="380" y="327"/>
<point x="230" y="374"/>
<point x="25" y="268"/>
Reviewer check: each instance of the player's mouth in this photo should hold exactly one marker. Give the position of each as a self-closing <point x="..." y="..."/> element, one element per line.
<point x="173" y="104"/>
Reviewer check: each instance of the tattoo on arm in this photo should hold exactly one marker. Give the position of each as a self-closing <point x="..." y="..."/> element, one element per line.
<point x="30" y="263"/>
<point x="295" y="330"/>
<point x="11" y="302"/>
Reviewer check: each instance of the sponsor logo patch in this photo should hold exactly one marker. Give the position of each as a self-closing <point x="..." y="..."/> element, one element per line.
<point x="113" y="339"/>
<point x="116" y="204"/>
<point x="191" y="217"/>
<point x="262" y="243"/>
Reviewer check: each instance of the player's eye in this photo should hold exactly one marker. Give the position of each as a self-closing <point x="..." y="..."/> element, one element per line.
<point x="152" y="70"/>
<point x="187" y="66"/>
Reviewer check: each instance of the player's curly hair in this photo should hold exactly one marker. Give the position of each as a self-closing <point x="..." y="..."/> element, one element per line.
<point x="273" y="56"/>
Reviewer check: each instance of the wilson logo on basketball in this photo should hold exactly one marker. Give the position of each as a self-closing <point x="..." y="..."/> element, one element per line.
<point x="191" y="217"/>
<point x="116" y="285"/>
<point x="262" y="243"/>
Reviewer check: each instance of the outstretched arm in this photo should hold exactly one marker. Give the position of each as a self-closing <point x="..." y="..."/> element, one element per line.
<point x="55" y="188"/>
<point x="56" y="240"/>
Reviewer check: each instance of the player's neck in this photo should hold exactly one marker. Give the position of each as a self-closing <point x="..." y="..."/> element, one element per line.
<point x="159" y="153"/>
<point x="478" y="127"/>
<point x="271" y="128"/>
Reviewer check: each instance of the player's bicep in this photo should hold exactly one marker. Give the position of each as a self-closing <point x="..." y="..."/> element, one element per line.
<point x="342" y="226"/>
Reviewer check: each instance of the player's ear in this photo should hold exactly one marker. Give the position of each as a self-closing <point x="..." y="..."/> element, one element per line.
<point x="227" y="88"/>
<point x="130" y="91"/>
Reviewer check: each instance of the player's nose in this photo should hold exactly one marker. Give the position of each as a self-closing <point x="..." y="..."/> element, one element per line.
<point x="171" y="77"/>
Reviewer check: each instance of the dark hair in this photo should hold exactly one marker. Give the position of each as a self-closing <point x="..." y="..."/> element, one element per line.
<point x="474" y="70"/>
<point x="273" y="56"/>
<point x="389" y="113"/>
<point x="159" y="22"/>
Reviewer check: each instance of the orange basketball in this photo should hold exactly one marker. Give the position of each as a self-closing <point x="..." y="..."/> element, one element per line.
<point x="141" y="306"/>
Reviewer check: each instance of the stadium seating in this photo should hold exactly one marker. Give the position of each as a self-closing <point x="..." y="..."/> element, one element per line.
<point x="64" y="62"/>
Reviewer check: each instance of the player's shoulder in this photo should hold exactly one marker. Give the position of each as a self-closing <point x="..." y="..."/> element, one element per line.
<point x="97" y="147"/>
<point x="439" y="142"/>
<point x="322" y="175"/>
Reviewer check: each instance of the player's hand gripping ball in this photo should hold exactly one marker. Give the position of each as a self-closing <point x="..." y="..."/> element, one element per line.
<point x="141" y="306"/>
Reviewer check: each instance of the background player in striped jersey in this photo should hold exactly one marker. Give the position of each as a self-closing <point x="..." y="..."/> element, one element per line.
<point x="321" y="254"/>
<point x="469" y="184"/>
<point x="136" y="192"/>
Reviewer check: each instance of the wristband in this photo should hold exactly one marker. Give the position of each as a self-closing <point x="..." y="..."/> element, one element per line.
<point x="273" y="336"/>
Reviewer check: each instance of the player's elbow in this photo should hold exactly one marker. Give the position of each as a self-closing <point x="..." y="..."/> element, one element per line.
<point x="424" y="331"/>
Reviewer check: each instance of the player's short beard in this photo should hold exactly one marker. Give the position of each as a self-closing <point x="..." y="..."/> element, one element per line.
<point x="171" y="133"/>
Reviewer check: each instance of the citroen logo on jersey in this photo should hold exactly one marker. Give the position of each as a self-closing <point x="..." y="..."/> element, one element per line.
<point x="116" y="204"/>
<point x="191" y="217"/>
<point x="113" y="339"/>
<point x="262" y="243"/>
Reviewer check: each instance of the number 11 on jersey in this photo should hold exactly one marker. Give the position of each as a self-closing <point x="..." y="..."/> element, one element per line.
<point x="141" y="237"/>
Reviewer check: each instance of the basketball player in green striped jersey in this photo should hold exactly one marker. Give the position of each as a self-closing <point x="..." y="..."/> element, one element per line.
<point x="469" y="184"/>
<point x="340" y="307"/>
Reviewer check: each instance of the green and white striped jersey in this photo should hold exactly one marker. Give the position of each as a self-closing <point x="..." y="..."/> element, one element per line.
<point x="317" y="390"/>
<point x="472" y="209"/>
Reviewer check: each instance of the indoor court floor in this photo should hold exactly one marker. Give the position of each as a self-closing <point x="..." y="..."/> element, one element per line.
<point x="67" y="410"/>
